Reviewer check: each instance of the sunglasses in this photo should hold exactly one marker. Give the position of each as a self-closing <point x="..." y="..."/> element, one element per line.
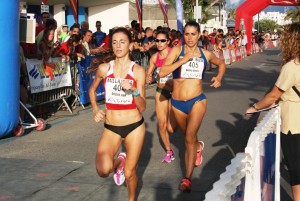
<point x="161" y="40"/>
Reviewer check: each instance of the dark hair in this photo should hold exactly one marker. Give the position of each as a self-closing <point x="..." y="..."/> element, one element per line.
<point x="74" y="26"/>
<point x="51" y="24"/>
<point x="192" y="24"/>
<point x="46" y="34"/>
<point x="43" y="13"/>
<point x="164" y="33"/>
<point x="88" y="31"/>
<point x="122" y="30"/>
<point x="74" y="38"/>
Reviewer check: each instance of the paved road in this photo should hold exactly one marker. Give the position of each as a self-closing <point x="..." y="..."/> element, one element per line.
<point x="58" y="163"/>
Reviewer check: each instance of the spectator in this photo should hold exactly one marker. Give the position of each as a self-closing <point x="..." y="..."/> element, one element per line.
<point x="48" y="50"/>
<point x="244" y="40"/>
<point x="88" y="48"/>
<point x="40" y="27"/>
<point x="63" y="33"/>
<point x="286" y="91"/>
<point x="98" y="36"/>
<point x="84" y="27"/>
<point x="68" y="50"/>
<point x="74" y="30"/>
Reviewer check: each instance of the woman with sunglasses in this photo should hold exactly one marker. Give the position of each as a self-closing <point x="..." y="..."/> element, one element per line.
<point x="124" y="84"/>
<point x="188" y="64"/>
<point x="166" y="121"/>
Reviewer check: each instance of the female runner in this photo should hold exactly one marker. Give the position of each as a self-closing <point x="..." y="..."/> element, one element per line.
<point x="166" y="121"/>
<point x="187" y="62"/>
<point x="124" y="83"/>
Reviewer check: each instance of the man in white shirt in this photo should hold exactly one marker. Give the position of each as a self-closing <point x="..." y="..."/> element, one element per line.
<point x="244" y="40"/>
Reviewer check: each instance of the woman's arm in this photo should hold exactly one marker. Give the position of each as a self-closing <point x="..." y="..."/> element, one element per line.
<point x="151" y="68"/>
<point x="99" y="115"/>
<point x="271" y="98"/>
<point x="168" y="66"/>
<point x="221" y="68"/>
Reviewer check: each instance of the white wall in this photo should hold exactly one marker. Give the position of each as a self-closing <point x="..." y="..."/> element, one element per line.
<point x="59" y="14"/>
<point x="110" y="15"/>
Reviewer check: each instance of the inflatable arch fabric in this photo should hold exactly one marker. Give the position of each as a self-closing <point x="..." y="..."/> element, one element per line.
<point x="246" y="11"/>
<point x="9" y="59"/>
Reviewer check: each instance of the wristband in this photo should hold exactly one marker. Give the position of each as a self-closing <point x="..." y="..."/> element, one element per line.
<point x="136" y="93"/>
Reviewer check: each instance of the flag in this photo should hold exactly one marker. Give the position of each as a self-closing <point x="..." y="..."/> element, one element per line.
<point x="74" y="7"/>
<point x="164" y="8"/>
<point x="139" y="4"/>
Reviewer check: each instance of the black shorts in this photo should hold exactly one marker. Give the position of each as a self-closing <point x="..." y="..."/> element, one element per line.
<point x="290" y="145"/>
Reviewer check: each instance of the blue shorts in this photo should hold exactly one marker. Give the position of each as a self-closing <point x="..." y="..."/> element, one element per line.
<point x="186" y="106"/>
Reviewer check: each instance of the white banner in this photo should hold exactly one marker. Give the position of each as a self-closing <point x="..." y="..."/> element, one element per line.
<point x="40" y="80"/>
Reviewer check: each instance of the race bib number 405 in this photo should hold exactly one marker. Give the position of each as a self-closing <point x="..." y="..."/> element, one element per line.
<point x="193" y="68"/>
<point x="114" y="93"/>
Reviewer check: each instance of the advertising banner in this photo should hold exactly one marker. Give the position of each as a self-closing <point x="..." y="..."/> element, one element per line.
<point x="40" y="80"/>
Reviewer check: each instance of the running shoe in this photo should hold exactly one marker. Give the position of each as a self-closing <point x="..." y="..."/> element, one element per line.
<point x="199" y="156"/>
<point x="169" y="157"/>
<point x="185" y="185"/>
<point x="119" y="176"/>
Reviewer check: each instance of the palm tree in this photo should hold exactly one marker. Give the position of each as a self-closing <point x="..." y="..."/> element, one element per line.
<point x="231" y="13"/>
<point x="293" y="14"/>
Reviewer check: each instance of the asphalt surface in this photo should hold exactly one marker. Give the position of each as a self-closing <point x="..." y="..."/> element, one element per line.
<point x="59" y="163"/>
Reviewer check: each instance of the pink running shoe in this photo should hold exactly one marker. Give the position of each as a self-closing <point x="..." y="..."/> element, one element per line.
<point x="119" y="176"/>
<point x="199" y="157"/>
<point x="169" y="157"/>
<point x="185" y="185"/>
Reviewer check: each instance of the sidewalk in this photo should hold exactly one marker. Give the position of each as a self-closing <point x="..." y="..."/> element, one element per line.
<point x="59" y="163"/>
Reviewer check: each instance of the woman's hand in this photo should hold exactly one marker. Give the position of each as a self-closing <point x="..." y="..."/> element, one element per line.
<point x="99" y="115"/>
<point x="148" y="79"/>
<point x="187" y="57"/>
<point x="126" y="85"/>
<point x="216" y="83"/>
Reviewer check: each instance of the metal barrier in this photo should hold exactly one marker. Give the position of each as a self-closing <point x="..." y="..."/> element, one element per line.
<point x="52" y="95"/>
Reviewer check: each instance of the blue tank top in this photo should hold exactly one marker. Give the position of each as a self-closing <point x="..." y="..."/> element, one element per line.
<point x="181" y="72"/>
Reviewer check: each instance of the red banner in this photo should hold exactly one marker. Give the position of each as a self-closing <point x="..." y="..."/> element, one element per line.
<point x="74" y="7"/>
<point x="164" y="8"/>
<point x="139" y="9"/>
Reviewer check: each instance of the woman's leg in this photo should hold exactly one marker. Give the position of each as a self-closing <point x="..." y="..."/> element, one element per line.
<point x="133" y="142"/>
<point x="172" y="123"/>
<point x="108" y="146"/>
<point x="194" y="121"/>
<point x="161" y="107"/>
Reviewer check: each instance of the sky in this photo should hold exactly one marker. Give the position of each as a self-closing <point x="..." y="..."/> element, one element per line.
<point x="236" y="3"/>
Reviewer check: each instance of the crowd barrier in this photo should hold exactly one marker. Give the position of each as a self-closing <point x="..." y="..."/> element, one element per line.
<point x="44" y="90"/>
<point x="254" y="174"/>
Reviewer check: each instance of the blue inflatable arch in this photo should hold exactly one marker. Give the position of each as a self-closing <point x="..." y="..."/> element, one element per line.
<point x="9" y="61"/>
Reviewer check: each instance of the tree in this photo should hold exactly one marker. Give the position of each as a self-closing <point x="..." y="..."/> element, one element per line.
<point x="293" y="14"/>
<point x="188" y="8"/>
<point x="231" y="13"/>
<point x="266" y="25"/>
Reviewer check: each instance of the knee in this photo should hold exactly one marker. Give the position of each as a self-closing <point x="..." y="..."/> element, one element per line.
<point x="104" y="169"/>
<point x="129" y="174"/>
<point x="190" y="139"/>
<point x="162" y="124"/>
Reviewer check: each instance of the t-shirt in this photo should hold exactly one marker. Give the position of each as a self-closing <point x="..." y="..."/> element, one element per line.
<point x="290" y="101"/>
<point x="99" y="38"/>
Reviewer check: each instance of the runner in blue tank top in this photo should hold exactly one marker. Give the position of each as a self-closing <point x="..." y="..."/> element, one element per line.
<point x="187" y="63"/>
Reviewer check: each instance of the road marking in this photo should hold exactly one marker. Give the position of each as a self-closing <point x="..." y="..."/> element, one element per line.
<point x="262" y="65"/>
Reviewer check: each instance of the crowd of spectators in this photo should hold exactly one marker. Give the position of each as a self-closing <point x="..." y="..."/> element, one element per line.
<point x="79" y="41"/>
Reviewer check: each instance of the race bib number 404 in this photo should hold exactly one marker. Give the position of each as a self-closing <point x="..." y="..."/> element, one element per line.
<point x="193" y="69"/>
<point x="114" y="93"/>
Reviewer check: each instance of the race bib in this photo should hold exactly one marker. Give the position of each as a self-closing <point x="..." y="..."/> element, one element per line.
<point x="163" y="80"/>
<point x="193" y="68"/>
<point x="114" y="93"/>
